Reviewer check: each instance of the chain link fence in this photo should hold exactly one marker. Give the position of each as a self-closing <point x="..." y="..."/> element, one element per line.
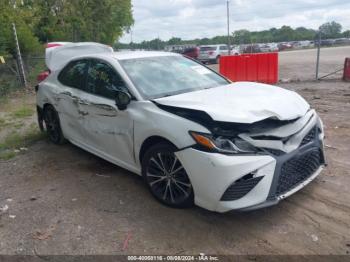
<point x="10" y="79"/>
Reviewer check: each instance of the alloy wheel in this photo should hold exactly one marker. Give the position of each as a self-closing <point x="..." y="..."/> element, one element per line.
<point x="168" y="179"/>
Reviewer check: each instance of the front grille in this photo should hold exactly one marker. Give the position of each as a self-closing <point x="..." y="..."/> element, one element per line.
<point x="240" y="189"/>
<point x="309" y="137"/>
<point x="297" y="170"/>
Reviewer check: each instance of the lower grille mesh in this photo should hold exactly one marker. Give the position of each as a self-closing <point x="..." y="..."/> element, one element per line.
<point x="309" y="137"/>
<point x="240" y="189"/>
<point x="297" y="170"/>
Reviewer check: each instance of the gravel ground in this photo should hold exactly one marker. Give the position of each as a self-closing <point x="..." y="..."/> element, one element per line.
<point x="62" y="200"/>
<point x="301" y="64"/>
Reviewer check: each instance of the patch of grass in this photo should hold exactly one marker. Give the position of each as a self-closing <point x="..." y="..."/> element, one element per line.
<point x="3" y="123"/>
<point x="17" y="125"/>
<point x="16" y="140"/>
<point x="7" y="155"/>
<point x="23" y="112"/>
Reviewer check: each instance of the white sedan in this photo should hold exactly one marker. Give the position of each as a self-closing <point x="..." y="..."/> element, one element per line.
<point x="195" y="137"/>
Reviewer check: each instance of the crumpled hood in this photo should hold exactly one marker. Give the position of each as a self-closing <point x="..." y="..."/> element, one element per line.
<point x="242" y="102"/>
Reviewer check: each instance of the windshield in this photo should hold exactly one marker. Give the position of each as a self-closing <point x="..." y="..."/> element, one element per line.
<point x="156" y="77"/>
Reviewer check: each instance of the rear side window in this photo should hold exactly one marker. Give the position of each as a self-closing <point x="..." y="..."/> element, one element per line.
<point x="103" y="80"/>
<point x="73" y="75"/>
<point x="223" y="47"/>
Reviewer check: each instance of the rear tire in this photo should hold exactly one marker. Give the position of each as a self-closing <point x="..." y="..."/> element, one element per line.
<point x="217" y="60"/>
<point x="165" y="176"/>
<point x="53" y="126"/>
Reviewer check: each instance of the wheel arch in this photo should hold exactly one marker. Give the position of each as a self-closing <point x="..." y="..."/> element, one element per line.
<point x="45" y="105"/>
<point x="151" y="141"/>
<point x="40" y="113"/>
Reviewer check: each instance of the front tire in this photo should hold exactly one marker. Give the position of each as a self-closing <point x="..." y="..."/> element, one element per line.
<point x="165" y="176"/>
<point x="52" y="125"/>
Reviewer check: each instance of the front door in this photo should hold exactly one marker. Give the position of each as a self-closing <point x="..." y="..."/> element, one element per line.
<point x="109" y="131"/>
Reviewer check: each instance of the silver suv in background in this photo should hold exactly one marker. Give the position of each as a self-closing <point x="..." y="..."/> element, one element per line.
<point x="212" y="53"/>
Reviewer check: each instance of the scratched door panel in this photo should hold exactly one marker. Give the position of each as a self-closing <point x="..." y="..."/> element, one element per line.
<point x="108" y="130"/>
<point x="70" y="114"/>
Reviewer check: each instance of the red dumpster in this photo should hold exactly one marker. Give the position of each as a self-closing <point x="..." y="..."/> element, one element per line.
<point x="251" y="67"/>
<point x="346" y="74"/>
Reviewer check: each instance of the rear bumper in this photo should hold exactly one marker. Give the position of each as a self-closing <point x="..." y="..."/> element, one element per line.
<point x="207" y="58"/>
<point x="214" y="175"/>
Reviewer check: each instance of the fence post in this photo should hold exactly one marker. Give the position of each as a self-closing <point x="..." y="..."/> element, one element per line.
<point x="19" y="58"/>
<point x="318" y="54"/>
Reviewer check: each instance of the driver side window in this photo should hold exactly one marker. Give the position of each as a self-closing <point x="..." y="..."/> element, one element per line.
<point x="103" y="80"/>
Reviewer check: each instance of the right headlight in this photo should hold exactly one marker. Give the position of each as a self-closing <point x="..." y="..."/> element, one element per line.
<point x="222" y="144"/>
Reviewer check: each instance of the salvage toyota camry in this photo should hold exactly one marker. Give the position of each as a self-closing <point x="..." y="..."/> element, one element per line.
<point x="195" y="137"/>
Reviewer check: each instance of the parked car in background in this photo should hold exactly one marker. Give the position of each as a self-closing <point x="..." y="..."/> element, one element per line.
<point x="194" y="137"/>
<point x="303" y="44"/>
<point x="274" y="47"/>
<point x="212" y="53"/>
<point x="342" y="41"/>
<point x="250" y="49"/>
<point x="284" y="46"/>
<point x="192" y="52"/>
<point x="325" y="42"/>
<point x="264" y="48"/>
<point x="235" y="50"/>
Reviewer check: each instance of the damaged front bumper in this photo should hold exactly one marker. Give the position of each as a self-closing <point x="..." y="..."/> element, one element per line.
<point x="246" y="182"/>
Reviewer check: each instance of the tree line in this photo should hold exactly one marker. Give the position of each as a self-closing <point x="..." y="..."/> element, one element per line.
<point x="104" y="21"/>
<point x="41" y="21"/>
<point x="284" y="34"/>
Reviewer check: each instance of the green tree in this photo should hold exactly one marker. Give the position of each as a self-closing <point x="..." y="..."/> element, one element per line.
<point x="175" y="41"/>
<point x="82" y="20"/>
<point x="331" y="30"/>
<point x="346" y="34"/>
<point x="242" y="37"/>
<point x="20" y="13"/>
<point x="302" y="33"/>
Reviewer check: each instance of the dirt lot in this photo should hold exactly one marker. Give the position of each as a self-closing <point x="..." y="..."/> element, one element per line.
<point x="301" y="64"/>
<point x="62" y="200"/>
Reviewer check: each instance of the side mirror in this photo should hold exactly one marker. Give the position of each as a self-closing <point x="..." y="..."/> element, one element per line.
<point x="122" y="100"/>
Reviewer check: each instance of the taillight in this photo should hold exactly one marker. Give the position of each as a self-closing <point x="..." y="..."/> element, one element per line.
<point x="42" y="76"/>
<point x="49" y="45"/>
<point x="211" y="52"/>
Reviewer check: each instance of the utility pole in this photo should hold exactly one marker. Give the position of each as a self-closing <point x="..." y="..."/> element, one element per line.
<point x="131" y="40"/>
<point x="318" y="53"/>
<point x="228" y="27"/>
<point x="19" y="58"/>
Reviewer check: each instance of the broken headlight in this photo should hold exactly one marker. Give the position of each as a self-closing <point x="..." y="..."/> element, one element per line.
<point x="223" y="144"/>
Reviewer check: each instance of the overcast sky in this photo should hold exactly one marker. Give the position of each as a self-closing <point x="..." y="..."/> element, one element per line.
<point x="191" y="19"/>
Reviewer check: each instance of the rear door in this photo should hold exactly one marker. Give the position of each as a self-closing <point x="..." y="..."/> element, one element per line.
<point x="72" y="80"/>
